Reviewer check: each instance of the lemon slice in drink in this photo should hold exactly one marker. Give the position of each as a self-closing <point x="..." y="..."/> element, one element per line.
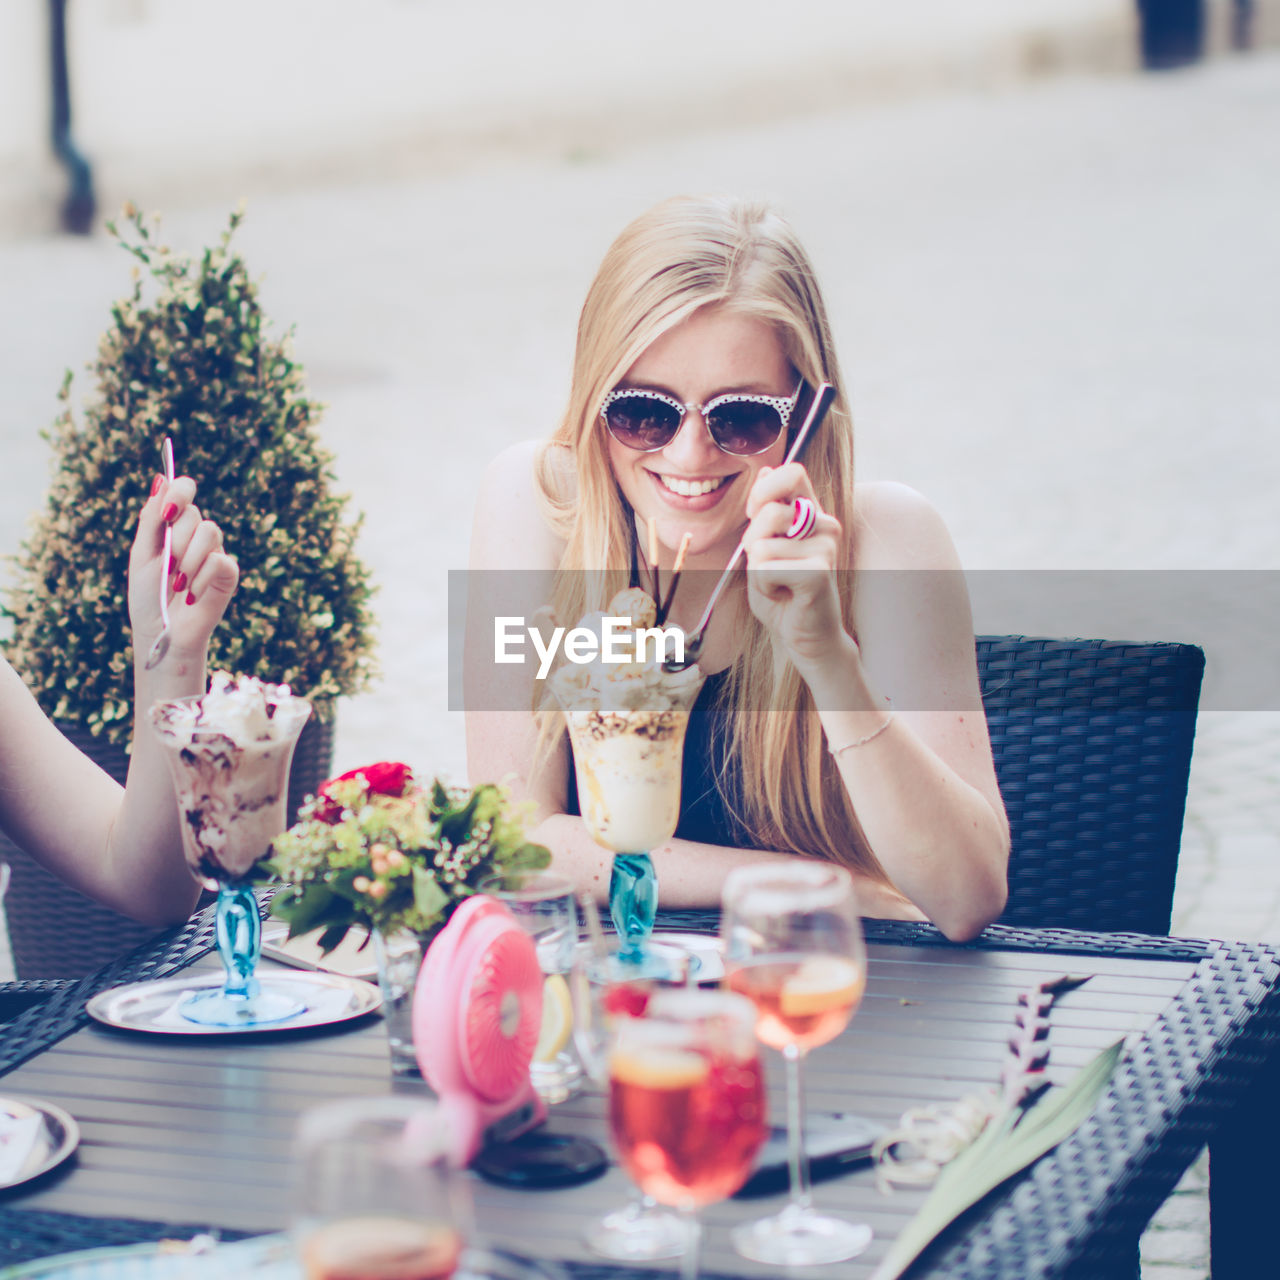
<point x="659" y="1068"/>
<point x="557" y="1019"/>
<point x="819" y="984"/>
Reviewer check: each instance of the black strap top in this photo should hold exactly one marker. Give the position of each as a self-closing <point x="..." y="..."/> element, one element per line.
<point x="704" y="814"/>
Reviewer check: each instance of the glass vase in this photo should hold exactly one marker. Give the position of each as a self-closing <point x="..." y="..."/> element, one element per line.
<point x="398" y="954"/>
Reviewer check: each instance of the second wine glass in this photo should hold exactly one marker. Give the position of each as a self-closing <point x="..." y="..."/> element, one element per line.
<point x="686" y="1101"/>
<point x="793" y="946"/>
<point x="603" y="993"/>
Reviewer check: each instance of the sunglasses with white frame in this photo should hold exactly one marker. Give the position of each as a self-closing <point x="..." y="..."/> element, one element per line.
<point x="738" y="423"/>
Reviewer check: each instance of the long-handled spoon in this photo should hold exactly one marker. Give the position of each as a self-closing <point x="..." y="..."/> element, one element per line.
<point x="161" y="646"/>
<point x="822" y="399"/>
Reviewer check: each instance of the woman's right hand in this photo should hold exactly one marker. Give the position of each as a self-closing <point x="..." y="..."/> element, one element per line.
<point x="791" y="582"/>
<point x="202" y="580"/>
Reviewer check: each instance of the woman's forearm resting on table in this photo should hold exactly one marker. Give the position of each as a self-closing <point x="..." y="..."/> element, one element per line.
<point x="690" y="873"/>
<point x="942" y="838"/>
<point x="939" y="838"/>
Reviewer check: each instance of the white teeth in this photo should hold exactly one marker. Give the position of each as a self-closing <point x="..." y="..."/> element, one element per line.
<point x="691" y="488"/>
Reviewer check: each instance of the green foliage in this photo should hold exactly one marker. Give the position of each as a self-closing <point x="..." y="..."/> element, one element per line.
<point x="195" y="362"/>
<point x="1015" y="1138"/>
<point x="392" y="861"/>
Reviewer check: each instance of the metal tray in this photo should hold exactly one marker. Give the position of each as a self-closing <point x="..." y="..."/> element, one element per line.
<point x="59" y="1136"/>
<point x="151" y="1006"/>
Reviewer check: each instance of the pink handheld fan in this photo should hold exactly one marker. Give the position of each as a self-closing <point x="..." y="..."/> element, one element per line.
<point x="477" y="1013"/>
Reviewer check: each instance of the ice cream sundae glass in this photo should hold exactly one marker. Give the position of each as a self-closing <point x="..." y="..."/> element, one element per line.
<point x="229" y="751"/>
<point x="626" y="720"/>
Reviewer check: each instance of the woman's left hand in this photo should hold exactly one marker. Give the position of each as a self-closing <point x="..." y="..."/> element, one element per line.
<point x="202" y="579"/>
<point x="791" y="581"/>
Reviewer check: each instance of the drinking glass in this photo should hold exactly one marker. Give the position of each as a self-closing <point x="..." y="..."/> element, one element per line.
<point x="544" y="904"/>
<point x="794" y="947"/>
<point x="232" y="799"/>
<point x="378" y="1194"/>
<point x="687" y="1100"/>
<point x="603" y="992"/>
<point x="628" y="761"/>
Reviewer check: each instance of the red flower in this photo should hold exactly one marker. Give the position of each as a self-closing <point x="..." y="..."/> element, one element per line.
<point x="386" y="778"/>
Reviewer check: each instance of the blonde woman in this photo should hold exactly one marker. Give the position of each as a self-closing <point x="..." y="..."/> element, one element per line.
<point x="841" y="717"/>
<point x="122" y="845"/>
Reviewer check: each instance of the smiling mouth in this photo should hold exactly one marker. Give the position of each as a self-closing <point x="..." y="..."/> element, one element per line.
<point x="692" y="488"/>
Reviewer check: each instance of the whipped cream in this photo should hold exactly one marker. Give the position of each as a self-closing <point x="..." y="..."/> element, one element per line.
<point x="229" y="752"/>
<point x="636" y="683"/>
<point x="241" y="708"/>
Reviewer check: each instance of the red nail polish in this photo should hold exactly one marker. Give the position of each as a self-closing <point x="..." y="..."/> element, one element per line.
<point x="170" y="512"/>
<point x="155" y="485"/>
<point x="180" y="581"/>
<point x="191" y="598"/>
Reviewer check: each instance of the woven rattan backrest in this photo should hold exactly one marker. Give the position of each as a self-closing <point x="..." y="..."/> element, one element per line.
<point x="1092" y="742"/>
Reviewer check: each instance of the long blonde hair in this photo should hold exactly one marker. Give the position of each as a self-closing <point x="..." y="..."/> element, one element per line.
<point x="682" y="255"/>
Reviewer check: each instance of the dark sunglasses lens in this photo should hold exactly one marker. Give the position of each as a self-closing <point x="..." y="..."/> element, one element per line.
<point x="741" y="426"/>
<point x="641" y="422"/>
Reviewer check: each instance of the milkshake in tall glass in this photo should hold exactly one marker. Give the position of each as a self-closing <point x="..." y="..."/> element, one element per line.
<point x="229" y="752"/>
<point x="627" y="723"/>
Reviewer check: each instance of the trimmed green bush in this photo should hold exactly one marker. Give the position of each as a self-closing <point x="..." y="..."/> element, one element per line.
<point x="188" y="354"/>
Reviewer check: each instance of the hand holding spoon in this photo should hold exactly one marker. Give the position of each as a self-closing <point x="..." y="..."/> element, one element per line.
<point x="161" y="646"/>
<point x="822" y="399"/>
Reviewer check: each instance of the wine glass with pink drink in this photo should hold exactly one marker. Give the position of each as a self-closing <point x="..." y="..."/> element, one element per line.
<point x="794" y="947"/>
<point x="687" y="1109"/>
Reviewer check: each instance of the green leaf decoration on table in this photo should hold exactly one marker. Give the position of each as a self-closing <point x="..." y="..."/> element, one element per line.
<point x="1013" y="1139"/>
<point x="309" y="910"/>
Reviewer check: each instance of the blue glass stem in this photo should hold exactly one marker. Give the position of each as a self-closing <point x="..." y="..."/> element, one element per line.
<point x="633" y="902"/>
<point x="239" y="932"/>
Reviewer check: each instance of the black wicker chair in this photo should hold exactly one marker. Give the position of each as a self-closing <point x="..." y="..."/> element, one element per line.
<point x="1092" y="742"/>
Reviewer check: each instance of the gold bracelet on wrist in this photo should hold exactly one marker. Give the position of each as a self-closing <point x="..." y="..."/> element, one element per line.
<point x="862" y="742"/>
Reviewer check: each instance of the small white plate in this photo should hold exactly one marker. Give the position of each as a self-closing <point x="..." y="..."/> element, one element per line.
<point x="152" y="1006"/>
<point x="705" y="948"/>
<point x="57" y="1136"/>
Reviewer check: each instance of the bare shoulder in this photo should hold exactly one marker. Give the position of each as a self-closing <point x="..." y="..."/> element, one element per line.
<point x="511" y="529"/>
<point x="896" y="527"/>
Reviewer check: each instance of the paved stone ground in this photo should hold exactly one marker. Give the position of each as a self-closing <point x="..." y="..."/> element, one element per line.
<point x="1055" y="304"/>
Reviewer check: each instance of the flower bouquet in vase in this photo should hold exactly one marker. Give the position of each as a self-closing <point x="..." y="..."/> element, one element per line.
<point x="376" y="849"/>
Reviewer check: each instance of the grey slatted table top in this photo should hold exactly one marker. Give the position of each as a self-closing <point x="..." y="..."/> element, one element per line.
<point x="199" y="1130"/>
